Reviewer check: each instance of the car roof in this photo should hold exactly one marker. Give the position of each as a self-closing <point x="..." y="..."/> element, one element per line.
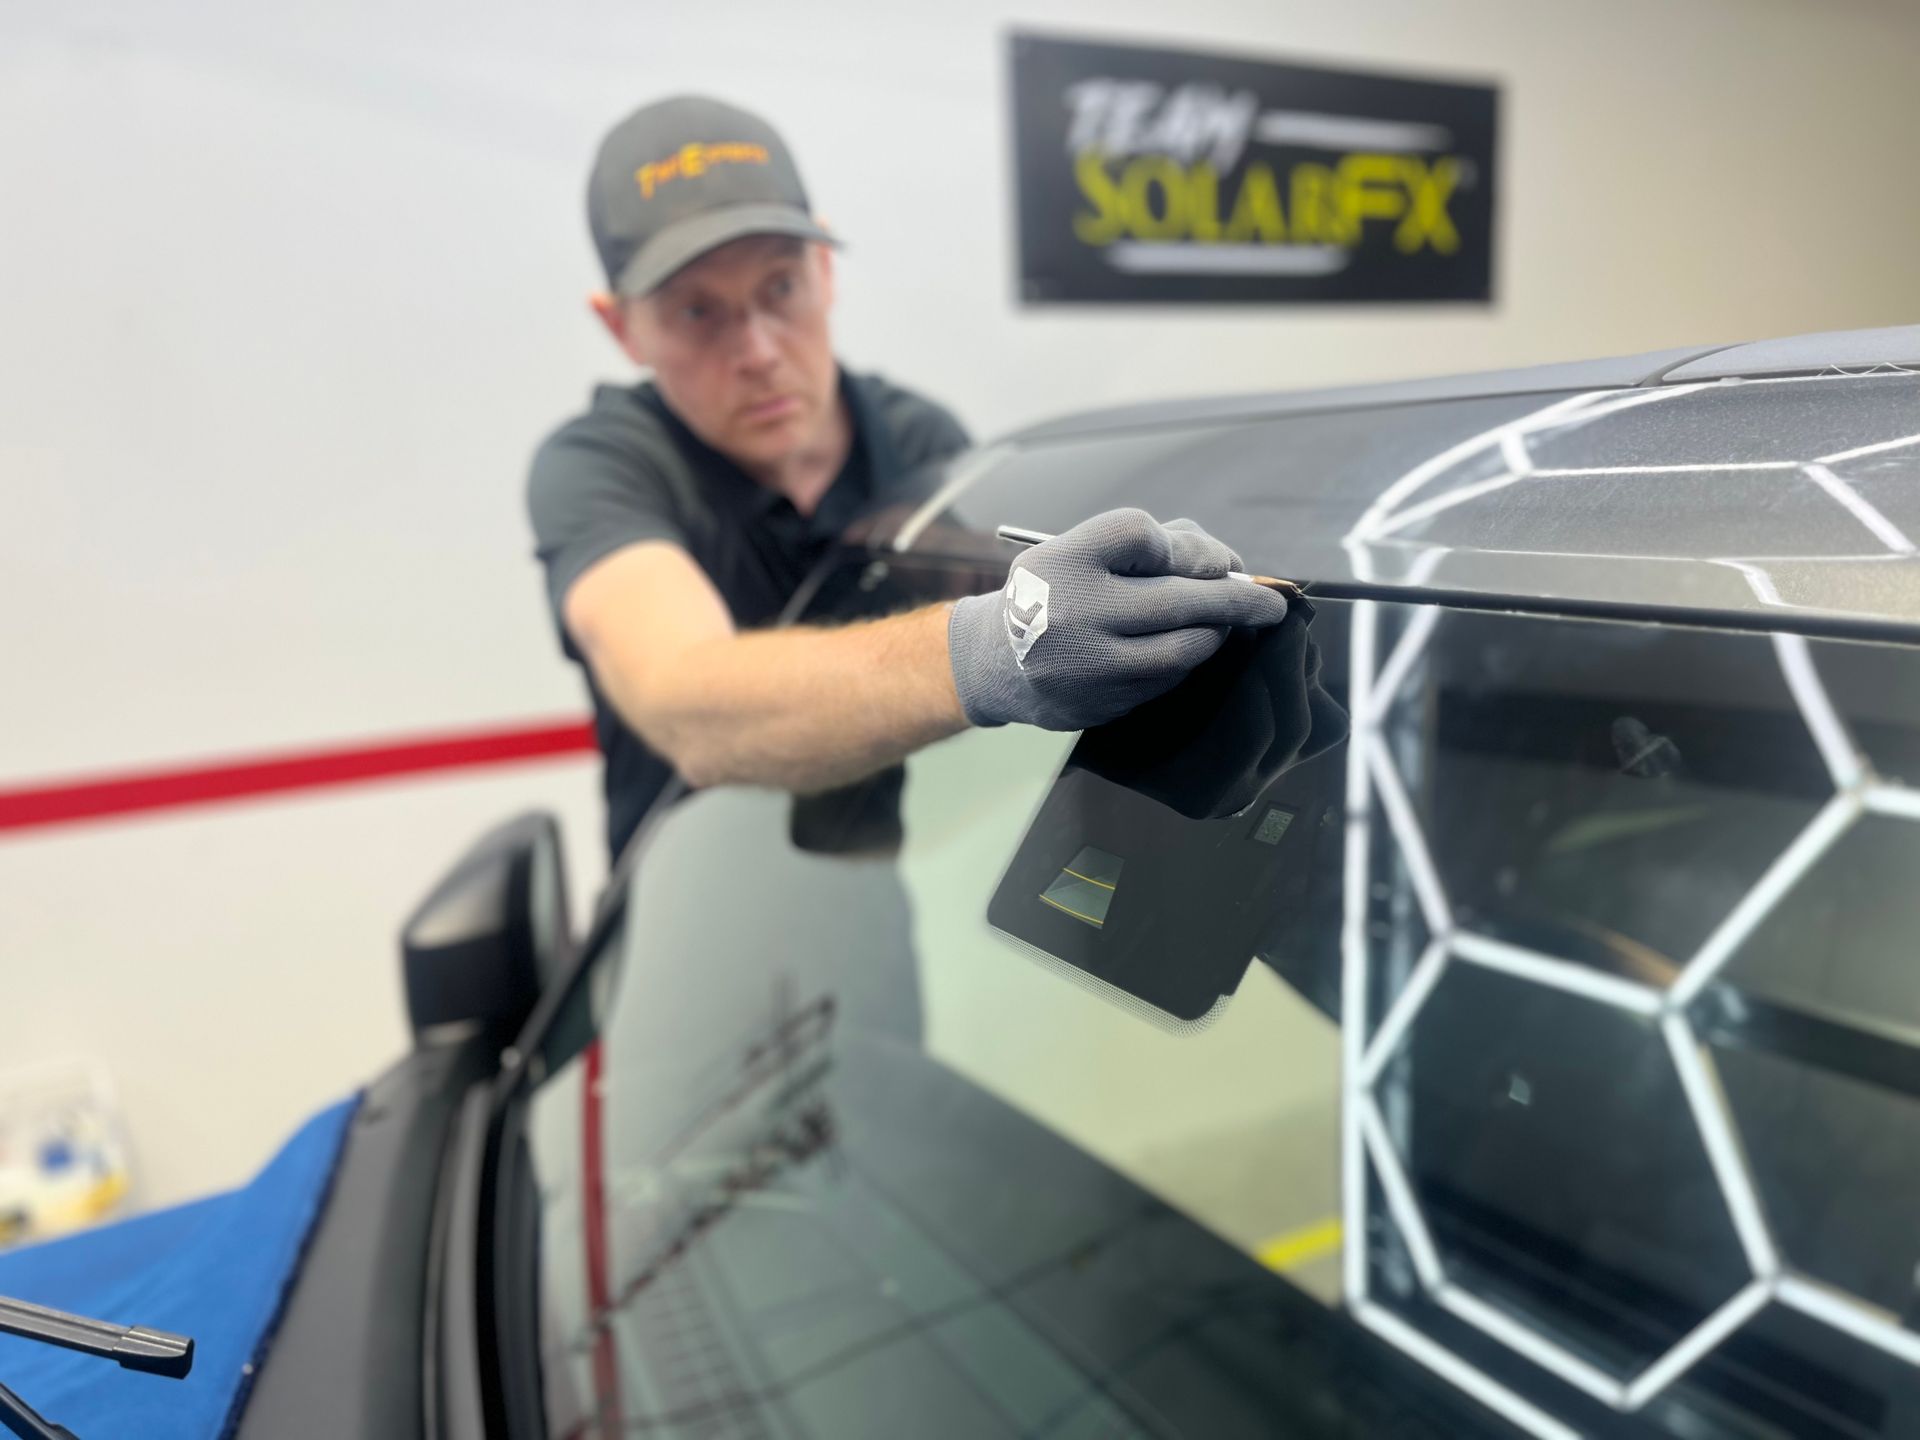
<point x="1768" y="485"/>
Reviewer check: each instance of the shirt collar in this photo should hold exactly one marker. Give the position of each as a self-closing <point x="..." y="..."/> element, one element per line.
<point x="859" y="473"/>
<point x="755" y="501"/>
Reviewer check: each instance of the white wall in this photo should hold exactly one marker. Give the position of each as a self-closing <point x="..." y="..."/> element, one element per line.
<point x="288" y="293"/>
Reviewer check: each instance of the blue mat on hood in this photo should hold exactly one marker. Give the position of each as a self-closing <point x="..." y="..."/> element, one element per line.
<point x="217" y="1269"/>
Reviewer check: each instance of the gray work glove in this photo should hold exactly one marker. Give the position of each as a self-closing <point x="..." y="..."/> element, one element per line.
<point x="1098" y="620"/>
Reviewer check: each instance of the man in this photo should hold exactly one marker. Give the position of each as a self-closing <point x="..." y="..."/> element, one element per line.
<point x="677" y="515"/>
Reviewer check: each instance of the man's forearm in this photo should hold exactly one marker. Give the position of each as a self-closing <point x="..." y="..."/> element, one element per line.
<point x="804" y="708"/>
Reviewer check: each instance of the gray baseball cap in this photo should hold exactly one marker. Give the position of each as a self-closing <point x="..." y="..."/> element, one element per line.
<point x="680" y="177"/>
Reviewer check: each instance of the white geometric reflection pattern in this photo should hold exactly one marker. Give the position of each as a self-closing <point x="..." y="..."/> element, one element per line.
<point x="1367" y="1145"/>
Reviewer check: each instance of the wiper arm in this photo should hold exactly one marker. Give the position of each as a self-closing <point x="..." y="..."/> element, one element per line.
<point x="18" y="1416"/>
<point x="133" y="1347"/>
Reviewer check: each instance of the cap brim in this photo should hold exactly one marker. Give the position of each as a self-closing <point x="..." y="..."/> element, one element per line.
<point x="685" y="241"/>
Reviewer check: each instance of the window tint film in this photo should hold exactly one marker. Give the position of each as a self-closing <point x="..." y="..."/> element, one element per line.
<point x="1793" y="493"/>
<point x="1007" y="1093"/>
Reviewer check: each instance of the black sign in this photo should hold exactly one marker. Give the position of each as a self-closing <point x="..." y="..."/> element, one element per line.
<point x="1156" y="175"/>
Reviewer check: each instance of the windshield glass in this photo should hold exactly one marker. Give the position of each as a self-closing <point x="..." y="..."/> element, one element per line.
<point x="1007" y="1093"/>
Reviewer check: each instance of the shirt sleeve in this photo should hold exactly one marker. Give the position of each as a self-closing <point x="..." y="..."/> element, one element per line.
<point x="587" y="499"/>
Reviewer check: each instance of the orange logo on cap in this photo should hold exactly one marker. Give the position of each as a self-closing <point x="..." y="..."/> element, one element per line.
<point x="694" y="160"/>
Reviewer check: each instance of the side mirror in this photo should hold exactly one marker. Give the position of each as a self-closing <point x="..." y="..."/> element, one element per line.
<point x="492" y="933"/>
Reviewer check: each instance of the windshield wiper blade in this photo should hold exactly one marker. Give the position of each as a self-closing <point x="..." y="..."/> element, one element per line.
<point x="133" y="1347"/>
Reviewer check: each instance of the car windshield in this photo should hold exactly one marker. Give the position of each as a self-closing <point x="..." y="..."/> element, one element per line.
<point x="1539" y="1059"/>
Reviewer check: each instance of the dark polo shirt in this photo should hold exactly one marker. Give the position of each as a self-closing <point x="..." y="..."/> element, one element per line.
<point x="628" y="470"/>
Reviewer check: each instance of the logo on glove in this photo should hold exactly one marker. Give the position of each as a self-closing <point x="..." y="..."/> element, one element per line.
<point x="1026" y="612"/>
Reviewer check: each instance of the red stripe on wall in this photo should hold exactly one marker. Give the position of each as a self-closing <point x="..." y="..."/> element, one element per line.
<point x="32" y="807"/>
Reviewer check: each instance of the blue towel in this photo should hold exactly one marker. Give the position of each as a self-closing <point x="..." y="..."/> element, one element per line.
<point x="217" y="1269"/>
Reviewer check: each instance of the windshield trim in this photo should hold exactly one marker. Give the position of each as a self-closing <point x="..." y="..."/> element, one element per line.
<point x="1814" y="624"/>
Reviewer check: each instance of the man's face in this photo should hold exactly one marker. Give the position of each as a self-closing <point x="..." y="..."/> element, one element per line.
<point x="739" y="347"/>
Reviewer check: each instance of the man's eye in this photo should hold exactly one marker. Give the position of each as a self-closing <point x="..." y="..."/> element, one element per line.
<point x="694" y="314"/>
<point x="781" y="286"/>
